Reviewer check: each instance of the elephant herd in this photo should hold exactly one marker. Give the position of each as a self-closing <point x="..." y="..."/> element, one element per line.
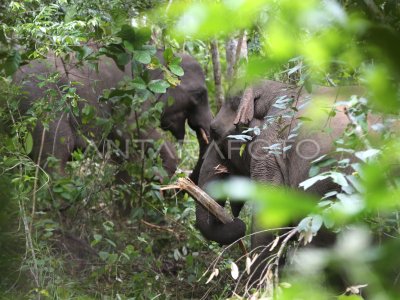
<point x="67" y="131"/>
<point x="220" y="157"/>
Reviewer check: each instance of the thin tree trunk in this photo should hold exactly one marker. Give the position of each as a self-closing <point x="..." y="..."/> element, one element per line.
<point x="230" y="47"/>
<point x="235" y="49"/>
<point x="241" y="49"/>
<point x="219" y="92"/>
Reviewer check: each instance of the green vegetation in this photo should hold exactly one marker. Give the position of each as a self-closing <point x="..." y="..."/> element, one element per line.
<point x="64" y="236"/>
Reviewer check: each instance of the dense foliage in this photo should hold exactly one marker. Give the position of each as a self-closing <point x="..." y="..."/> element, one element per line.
<point x="64" y="237"/>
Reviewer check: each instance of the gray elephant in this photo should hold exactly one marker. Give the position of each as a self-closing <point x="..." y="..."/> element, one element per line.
<point x="255" y="106"/>
<point x="67" y="131"/>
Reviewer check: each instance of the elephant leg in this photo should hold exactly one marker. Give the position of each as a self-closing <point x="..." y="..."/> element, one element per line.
<point x="209" y="226"/>
<point x="58" y="141"/>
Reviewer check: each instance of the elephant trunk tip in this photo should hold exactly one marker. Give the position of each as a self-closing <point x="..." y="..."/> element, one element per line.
<point x="224" y="234"/>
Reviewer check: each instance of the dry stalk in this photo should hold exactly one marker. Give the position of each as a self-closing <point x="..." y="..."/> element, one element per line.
<point x="238" y="52"/>
<point x="279" y="255"/>
<point x="35" y="183"/>
<point x="219" y="91"/>
<point x="27" y="226"/>
<point x="160" y="228"/>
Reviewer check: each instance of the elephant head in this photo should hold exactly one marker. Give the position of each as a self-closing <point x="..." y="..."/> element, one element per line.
<point x="255" y="162"/>
<point x="190" y="104"/>
<point x="224" y="159"/>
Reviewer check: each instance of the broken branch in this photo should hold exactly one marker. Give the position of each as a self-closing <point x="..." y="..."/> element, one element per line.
<point x="206" y="201"/>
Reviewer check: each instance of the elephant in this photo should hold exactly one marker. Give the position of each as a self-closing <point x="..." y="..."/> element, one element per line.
<point x="67" y="131"/>
<point x="254" y="107"/>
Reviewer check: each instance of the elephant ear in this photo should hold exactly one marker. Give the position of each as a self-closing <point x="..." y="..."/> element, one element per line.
<point x="245" y="112"/>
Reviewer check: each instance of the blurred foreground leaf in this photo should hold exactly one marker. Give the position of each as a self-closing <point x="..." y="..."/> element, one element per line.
<point x="275" y="206"/>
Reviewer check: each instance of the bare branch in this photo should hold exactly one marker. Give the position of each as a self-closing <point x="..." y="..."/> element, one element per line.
<point x="219" y="92"/>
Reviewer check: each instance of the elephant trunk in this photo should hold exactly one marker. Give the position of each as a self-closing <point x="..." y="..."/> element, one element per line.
<point x="202" y="137"/>
<point x="212" y="229"/>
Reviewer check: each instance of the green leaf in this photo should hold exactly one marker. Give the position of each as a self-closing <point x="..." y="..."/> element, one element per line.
<point x="97" y="237"/>
<point x="171" y="78"/>
<point x="168" y="55"/>
<point x="242" y="147"/>
<point x="176" y="69"/>
<point x="326" y="162"/>
<point x="123" y="59"/>
<point x="118" y="18"/>
<point x="318" y="163"/>
<point x="127" y="33"/>
<point x="159" y="106"/>
<point x="158" y="86"/>
<point x="111" y="243"/>
<point x="128" y="46"/>
<point x="143" y="35"/>
<point x="304" y="119"/>
<point x="312" y="223"/>
<point x="103" y="255"/>
<point x="150" y="48"/>
<point x="138" y="83"/>
<point x="176" y="60"/>
<point x="367" y="155"/>
<point x="136" y="37"/>
<point x="314" y="170"/>
<point x="28" y="143"/>
<point x="339" y="178"/>
<point x="311" y="181"/>
<point x="81" y="51"/>
<point x="12" y="63"/>
<point x="112" y="258"/>
<point x="143" y="57"/>
<point x="294" y="69"/>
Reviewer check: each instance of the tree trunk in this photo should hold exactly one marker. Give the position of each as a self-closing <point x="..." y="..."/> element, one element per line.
<point x="219" y="92"/>
<point x="235" y="49"/>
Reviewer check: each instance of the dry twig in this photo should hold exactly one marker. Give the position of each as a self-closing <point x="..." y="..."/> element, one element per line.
<point x="160" y="228"/>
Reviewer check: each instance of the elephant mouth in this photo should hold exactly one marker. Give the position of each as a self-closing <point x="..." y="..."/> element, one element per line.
<point x="221" y="169"/>
<point x="204" y="136"/>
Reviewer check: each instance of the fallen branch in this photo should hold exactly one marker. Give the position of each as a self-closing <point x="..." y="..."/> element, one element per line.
<point x="206" y="201"/>
<point x="159" y="228"/>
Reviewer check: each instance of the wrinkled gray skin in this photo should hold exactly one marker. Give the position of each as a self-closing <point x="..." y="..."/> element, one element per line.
<point x="288" y="170"/>
<point x="66" y="132"/>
